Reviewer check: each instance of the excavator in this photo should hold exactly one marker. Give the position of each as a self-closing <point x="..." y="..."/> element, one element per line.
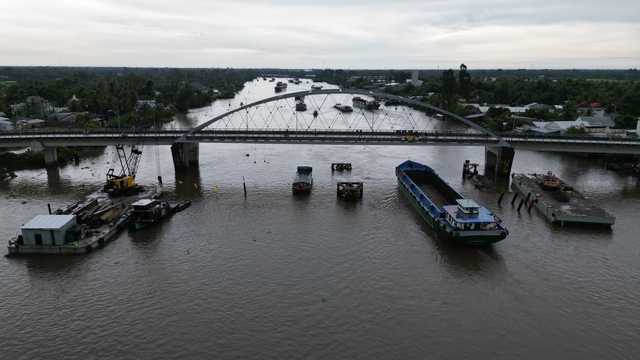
<point x="124" y="183"/>
<point x="550" y="182"/>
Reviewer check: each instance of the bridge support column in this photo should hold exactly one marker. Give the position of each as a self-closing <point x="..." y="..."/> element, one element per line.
<point x="498" y="160"/>
<point x="50" y="155"/>
<point x="184" y="155"/>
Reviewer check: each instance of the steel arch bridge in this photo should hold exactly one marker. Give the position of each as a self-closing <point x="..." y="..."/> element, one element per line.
<point x="279" y="114"/>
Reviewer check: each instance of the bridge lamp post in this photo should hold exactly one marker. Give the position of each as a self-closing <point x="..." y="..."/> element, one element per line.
<point x="614" y="111"/>
<point x="514" y="119"/>
<point x="445" y="116"/>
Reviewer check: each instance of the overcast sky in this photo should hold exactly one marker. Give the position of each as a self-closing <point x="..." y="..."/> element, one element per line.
<point x="346" y="34"/>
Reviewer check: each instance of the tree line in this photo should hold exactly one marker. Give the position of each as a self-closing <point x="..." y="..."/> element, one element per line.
<point x="115" y="92"/>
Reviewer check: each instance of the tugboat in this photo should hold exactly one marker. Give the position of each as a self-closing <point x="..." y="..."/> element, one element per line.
<point x="146" y="212"/>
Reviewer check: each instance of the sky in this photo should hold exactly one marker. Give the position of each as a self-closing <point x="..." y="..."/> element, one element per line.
<point x="323" y="34"/>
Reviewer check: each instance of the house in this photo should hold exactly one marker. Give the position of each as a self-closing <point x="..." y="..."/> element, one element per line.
<point x="39" y="105"/>
<point x="593" y="109"/>
<point x="598" y="121"/>
<point x="6" y="124"/>
<point x="555" y="127"/>
<point x="141" y="103"/>
<point x="65" y="116"/>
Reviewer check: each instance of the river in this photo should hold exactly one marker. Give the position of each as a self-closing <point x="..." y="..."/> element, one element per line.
<point x="277" y="276"/>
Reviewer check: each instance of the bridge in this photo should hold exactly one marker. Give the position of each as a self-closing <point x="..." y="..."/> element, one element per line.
<point x="275" y="120"/>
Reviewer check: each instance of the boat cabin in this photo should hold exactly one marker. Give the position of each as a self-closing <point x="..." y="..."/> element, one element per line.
<point x="468" y="215"/>
<point x="147" y="208"/>
<point x="47" y="229"/>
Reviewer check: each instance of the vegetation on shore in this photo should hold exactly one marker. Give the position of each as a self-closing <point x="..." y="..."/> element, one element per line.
<point x="123" y="95"/>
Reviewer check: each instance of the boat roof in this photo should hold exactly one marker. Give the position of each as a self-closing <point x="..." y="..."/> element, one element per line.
<point x="143" y="202"/>
<point x="483" y="215"/>
<point x="467" y="203"/>
<point x="305" y="167"/>
<point x="48" y="222"/>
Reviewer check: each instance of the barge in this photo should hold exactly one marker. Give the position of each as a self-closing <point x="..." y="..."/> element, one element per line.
<point x="560" y="202"/>
<point x="445" y="209"/>
<point x="79" y="228"/>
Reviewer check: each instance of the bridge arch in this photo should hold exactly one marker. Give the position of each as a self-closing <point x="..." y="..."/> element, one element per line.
<point x="326" y="93"/>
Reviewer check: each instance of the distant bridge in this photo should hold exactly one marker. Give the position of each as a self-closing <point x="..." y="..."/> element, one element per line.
<point x="276" y="121"/>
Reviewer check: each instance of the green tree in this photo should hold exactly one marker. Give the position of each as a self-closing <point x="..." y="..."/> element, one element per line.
<point x="449" y="87"/>
<point x="464" y="82"/>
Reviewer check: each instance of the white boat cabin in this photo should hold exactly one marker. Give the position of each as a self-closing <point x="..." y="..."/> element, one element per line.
<point x="468" y="215"/>
<point x="47" y="229"/>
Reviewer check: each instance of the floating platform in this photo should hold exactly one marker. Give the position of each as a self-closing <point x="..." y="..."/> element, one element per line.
<point x="350" y="190"/>
<point x="562" y="205"/>
<point x="340" y="166"/>
<point x="79" y="228"/>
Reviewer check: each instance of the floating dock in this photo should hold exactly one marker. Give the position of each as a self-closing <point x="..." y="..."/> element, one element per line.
<point x="350" y="190"/>
<point x="562" y="205"/>
<point x="340" y="166"/>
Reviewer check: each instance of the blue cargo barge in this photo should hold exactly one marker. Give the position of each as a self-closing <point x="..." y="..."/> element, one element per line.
<point x="445" y="209"/>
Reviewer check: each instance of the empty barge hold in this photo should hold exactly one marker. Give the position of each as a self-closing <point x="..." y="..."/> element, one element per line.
<point x="445" y="209"/>
<point x="563" y="204"/>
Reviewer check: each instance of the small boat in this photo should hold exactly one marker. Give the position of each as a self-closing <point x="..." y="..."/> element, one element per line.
<point x="303" y="181"/>
<point x="391" y="102"/>
<point x="366" y="104"/>
<point x="315" y="113"/>
<point x="280" y="86"/>
<point x="316" y="87"/>
<point x="146" y="212"/>
<point x="301" y="106"/>
<point x="343" y="108"/>
<point x="445" y="209"/>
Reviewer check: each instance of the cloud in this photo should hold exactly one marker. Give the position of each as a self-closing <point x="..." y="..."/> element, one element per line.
<point x="336" y="34"/>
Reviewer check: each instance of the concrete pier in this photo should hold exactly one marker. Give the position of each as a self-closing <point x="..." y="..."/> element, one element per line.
<point x="50" y="155"/>
<point x="498" y="159"/>
<point x="185" y="155"/>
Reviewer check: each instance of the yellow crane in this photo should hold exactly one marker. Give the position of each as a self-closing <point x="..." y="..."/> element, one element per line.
<point x="124" y="183"/>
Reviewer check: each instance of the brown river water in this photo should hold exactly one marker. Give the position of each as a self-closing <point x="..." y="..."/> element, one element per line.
<point x="274" y="275"/>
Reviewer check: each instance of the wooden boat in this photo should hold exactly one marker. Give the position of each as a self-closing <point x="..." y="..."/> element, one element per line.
<point x="445" y="209"/>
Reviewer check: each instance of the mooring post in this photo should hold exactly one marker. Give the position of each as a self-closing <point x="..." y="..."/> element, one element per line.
<point x="244" y="185"/>
<point x="531" y="204"/>
<point x="500" y="199"/>
<point x="527" y="199"/>
<point x="519" y="206"/>
<point x="515" y="196"/>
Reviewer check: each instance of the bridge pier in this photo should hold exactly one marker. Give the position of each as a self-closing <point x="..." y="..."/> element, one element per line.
<point x="498" y="159"/>
<point x="50" y="155"/>
<point x="185" y="155"/>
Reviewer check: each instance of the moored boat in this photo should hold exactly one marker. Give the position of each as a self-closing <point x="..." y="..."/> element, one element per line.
<point x="316" y="87"/>
<point x="445" y="209"/>
<point x="303" y="181"/>
<point x="343" y="108"/>
<point x="146" y="212"/>
<point x="280" y="86"/>
<point x="366" y="104"/>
